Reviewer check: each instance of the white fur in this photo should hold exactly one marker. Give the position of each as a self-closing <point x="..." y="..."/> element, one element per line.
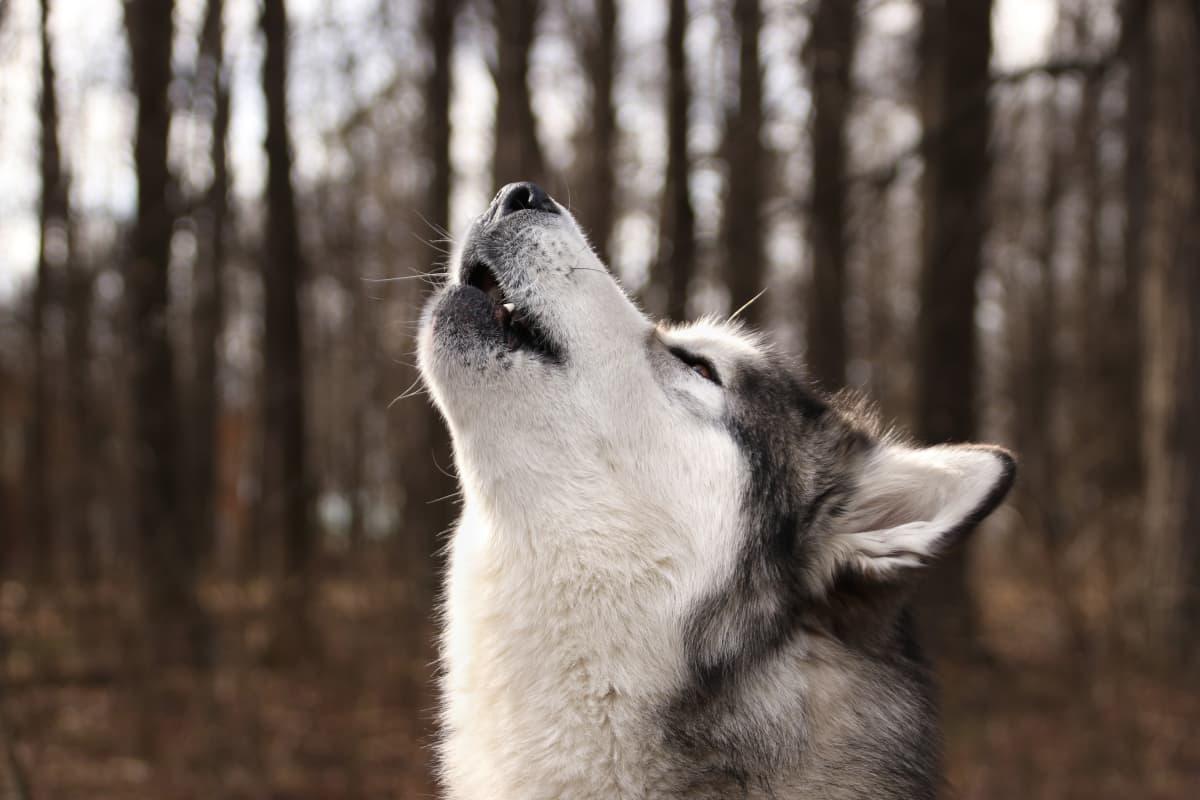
<point x="909" y="500"/>
<point x="596" y="509"/>
<point x="601" y="500"/>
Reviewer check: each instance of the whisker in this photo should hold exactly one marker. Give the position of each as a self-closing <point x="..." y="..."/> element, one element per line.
<point x="438" y="229"/>
<point x="407" y="393"/>
<point x="425" y="276"/>
<point x="432" y="243"/>
<point x="443" y="498"/>
<point x="440" y="469"/>
<point x="747" y="304"/>
<point x="583" y="248"/>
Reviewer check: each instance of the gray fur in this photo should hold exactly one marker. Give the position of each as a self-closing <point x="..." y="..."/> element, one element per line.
<point x="851" y="712"/>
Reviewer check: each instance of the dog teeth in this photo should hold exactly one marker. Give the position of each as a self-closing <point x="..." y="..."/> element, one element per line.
<point x="510" y="307"/>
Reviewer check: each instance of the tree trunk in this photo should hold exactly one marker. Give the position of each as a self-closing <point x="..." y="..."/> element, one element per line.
<point x="286" y="488"/>
<point x="53" y="220"/>
<point x="831" y="58"/>
<point x="518" y="154"/>
<point x="1121" y="373"/>
<point x="358" y="384"/>
<point x="168" y="560"/>
<point x="745" y="256"/>
<point x="1112" y="314"/>
<point x="931" y="69"/>
<point x="1171" y="329"/>
<point x="85" y="426"/>
<point x="1035" y="387"/>
<point x="596" y="196"/>
<point x="956" y="220"/>
<point x="439" y="22"/>
<point x="208" y="313"/>
<point x="677" y="240"/>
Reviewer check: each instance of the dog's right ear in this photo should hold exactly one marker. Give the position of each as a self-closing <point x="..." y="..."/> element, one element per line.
<point x="911" y="505"/>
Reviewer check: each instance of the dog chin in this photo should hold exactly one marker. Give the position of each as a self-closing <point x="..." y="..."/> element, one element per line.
<point x="468" y="360"/>
<point x="464" y="319"/>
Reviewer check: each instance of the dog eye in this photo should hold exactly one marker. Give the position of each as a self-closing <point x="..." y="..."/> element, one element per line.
<point x="697" y="364"/>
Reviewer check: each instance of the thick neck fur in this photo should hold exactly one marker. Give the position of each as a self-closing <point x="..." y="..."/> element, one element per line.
<point x="565" y="668"/>
<point x="556" y="652"/>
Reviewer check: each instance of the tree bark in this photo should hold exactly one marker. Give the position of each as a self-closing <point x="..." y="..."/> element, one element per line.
<point x="676" y="259"/>
<point x="957" y="221"/>
<point x="955" y="74"/>
<point x="1121" y="373"/>
<point x="830" y="61"/>
<point x="53" y="220"/>
<point x="168" y="557"/>
<point x="595" y="201"/>
<point x="208" y="312"/>
<point x="86" y="432"/>
<point x="518" y="153"/>
<point x="439" y="24"/>
<point x="1171" y="332"/>
<point x="287" y="493"/>
<point x="1112" y="315"/>
<point x="359" y="385"/>
<point x="745" y="256"/>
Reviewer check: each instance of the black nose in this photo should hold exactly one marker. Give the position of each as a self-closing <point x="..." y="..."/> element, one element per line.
<point x="524" y="197"/>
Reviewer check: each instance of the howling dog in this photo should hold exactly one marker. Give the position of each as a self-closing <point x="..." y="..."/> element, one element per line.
<point x="680" y="571"/>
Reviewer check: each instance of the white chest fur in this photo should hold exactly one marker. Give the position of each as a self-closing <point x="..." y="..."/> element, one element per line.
<point x="554" y="666"/>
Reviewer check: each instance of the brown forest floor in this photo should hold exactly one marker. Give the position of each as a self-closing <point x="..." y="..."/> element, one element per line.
<point x="343" y="726"/>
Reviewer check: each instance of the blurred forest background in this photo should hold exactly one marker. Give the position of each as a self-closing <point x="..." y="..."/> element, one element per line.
<point x="222" y="489"/>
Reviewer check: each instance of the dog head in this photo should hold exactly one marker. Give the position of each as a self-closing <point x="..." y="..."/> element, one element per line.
<point x="575" y="415"/>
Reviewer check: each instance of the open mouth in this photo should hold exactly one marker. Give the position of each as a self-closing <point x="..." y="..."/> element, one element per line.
<point x="521" y="331"/>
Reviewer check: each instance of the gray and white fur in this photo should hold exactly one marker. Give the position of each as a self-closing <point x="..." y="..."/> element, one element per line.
<point x="680" y="570"/>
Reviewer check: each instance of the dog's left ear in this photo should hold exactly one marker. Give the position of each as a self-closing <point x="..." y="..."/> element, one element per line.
<point x="912" y="504"/>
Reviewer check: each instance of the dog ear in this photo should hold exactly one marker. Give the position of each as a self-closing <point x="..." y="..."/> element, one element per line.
<point x="913" y="504"/>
